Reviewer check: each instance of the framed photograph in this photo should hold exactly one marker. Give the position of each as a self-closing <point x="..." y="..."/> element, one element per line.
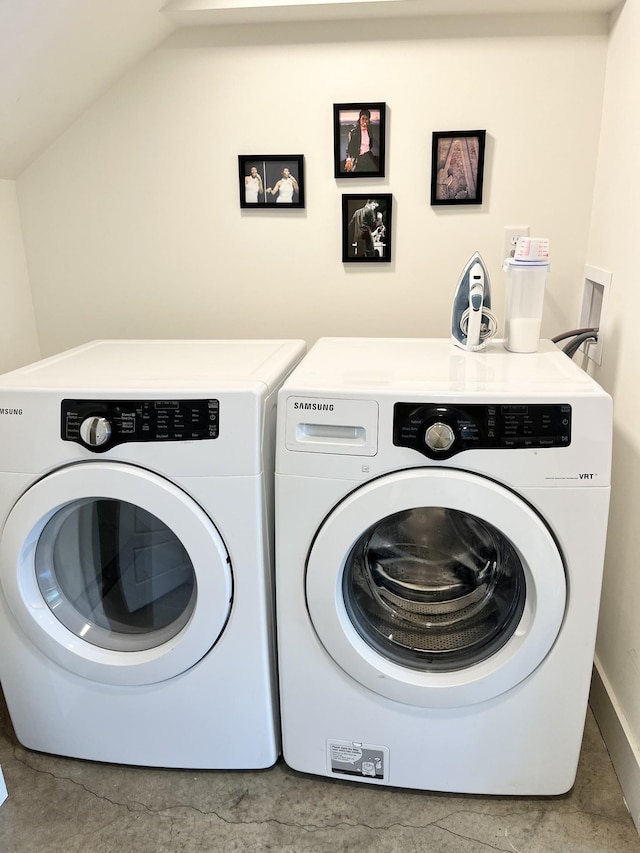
<point x="366" y="228"/>
<point x="271" y="180"/>
<point x="358" y="140"/>
<point x="457" y="166"/>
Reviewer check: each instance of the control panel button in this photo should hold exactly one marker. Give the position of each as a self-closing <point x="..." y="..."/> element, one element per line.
<point x="439" y="437"/>
<point x="95" y="431"/>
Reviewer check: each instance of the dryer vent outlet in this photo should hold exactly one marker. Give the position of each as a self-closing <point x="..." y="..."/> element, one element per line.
<point x="593" y="314"/>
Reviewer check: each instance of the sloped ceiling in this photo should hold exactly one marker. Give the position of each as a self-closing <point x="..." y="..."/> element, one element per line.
<point x="58" y="56"/>
<point x="203" y="12"/>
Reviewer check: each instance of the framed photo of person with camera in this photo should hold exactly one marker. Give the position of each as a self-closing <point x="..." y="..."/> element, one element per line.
<point x="366" y="228"/>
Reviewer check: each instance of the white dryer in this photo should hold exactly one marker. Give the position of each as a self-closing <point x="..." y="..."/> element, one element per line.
<point x="136" y="482"/>
<point x="440" y="532"/>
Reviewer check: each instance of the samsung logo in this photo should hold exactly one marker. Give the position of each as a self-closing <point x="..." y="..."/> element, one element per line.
<point x="314" y="407"/>
<point x="10" y="411"/>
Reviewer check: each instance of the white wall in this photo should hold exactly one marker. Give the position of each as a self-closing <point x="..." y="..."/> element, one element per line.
<point x="18" y="339"/>
<point x="43" y="45"/>
<point x="133" y="228"/>
<point x="613" y="245"/>
<point x="132" y="222"/>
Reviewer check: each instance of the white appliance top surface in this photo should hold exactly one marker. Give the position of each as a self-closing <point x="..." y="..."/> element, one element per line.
<point x="152" y="364"/>
<point x="336" y="365"/>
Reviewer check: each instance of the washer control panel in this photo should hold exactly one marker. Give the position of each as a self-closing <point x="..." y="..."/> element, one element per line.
<point x="100" y="425"/>
<point x="439" y="431"/>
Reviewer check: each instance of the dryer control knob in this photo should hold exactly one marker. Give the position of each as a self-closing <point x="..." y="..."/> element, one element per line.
<point x="95" y="431"/>
<point x="439" y="437"/>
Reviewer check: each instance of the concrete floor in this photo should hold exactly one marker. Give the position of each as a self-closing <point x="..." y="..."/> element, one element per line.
<point x="59" y="805"/>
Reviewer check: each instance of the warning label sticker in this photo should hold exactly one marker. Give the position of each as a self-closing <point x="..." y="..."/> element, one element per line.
<point x="350" y="758"/>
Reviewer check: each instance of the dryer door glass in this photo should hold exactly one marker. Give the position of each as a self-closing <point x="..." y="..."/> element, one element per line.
<point x="434" y="588"/>
<point x="115" y="575"/>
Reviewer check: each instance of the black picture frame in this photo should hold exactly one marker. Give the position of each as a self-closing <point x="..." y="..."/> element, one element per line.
<point x="457" y="166"/>
<point x="346" y="120"/>
<point x="363" y="217"/>
<point x="270" y="168"/>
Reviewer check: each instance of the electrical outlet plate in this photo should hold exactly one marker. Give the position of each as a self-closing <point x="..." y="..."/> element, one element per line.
<point x="593" y="314"/>
<point x="510" y="238"/>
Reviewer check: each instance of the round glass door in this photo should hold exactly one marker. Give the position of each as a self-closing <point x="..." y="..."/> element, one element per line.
<point x="435" y="587"/>
<point x="115" y="573"/>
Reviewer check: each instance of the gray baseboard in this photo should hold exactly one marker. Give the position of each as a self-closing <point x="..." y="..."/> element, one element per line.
<point x="618" y="739"/>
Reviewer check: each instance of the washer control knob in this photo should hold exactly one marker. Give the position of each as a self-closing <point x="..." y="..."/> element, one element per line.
<point x="439" y="437"/>
<point x="95" y="431"/>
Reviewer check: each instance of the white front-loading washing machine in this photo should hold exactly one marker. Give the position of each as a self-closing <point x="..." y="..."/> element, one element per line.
<point x="136" y="504"/>
<point x="440" y="531"/>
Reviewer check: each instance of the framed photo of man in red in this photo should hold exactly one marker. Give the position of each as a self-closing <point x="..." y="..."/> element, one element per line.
<point x="359" y="140"/>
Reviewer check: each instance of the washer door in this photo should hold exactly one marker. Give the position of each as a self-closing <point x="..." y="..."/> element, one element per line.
<point x="115" y="573"/>
<point x="435" y="587"/>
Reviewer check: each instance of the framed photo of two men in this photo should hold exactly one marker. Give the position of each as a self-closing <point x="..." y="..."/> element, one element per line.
<point x="359" y="140"/>
<point x="275" y="181"/>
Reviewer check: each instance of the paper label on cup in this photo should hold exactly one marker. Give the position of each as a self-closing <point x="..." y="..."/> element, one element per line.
<point x="532" y="249"/>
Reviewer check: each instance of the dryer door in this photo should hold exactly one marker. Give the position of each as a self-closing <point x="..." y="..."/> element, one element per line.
<point x="115" y="573"/>
<point x="436" y="587"/>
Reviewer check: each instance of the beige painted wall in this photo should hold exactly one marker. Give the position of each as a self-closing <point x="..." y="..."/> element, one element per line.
<point x="133" y="228"/>
<point x="613" y="245"/>
<point x="18" y="340"/>
<point x="132" y="222"/>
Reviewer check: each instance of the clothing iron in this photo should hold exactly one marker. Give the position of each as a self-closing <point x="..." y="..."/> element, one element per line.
<point x="472" y="324"/>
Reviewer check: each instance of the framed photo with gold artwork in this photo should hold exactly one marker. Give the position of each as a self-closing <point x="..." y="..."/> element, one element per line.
<point x="457" y="166"/>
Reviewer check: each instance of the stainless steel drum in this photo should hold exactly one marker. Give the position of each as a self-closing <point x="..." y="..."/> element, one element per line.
<point x="434" y="588"/>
